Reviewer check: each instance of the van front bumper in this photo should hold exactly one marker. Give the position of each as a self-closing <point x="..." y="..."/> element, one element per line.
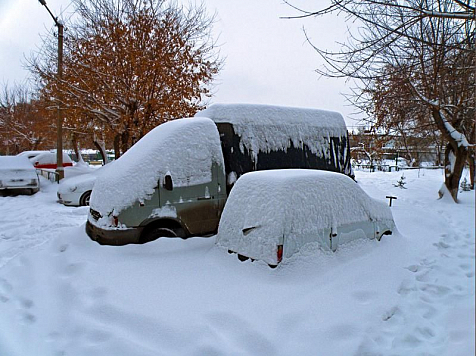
<point x="114" y="237"/>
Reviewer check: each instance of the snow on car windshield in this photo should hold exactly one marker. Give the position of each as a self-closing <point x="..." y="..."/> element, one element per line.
<point x="265" y="128"/>
<point x="186" y="148"/>
<point x="16" y="167"/>
<point x="15" y="162"/>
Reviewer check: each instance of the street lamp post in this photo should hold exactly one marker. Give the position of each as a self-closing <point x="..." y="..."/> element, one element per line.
<point x="59" y="123"/>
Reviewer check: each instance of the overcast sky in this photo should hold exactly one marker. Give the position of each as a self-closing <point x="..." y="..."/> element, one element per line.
<point x="267" y="60"/>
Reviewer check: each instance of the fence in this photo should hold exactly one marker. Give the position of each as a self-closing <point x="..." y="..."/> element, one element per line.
<point x="389" y="168"/>
<point x="49" y="174"/>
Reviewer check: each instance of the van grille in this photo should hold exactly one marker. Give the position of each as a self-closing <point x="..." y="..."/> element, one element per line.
<point x="95" y="214"/>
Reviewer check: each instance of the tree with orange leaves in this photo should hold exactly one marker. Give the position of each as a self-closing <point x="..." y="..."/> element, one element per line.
<point x="130" y="65"/>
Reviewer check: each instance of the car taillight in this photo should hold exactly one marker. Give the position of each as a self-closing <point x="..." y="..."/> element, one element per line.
<point x="279" y="253"/>
<point x="115" y="220"/>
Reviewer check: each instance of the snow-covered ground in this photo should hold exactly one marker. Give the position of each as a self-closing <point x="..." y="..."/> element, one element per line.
<point x="410" y="294"/>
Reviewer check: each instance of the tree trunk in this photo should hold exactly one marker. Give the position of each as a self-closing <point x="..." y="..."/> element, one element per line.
<point x="472" y="164"/>
<point x="76" y="149"/>
<point x="454" y="165"/>
<point x="125" y="141"/>
<point x="102" y="151"/>
<point x="456" y="154"/>
<point x="117" y="146"/>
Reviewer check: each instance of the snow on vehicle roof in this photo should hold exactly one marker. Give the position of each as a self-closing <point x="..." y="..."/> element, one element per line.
<point x="49" y="158"/>
<point x="31" y="154"/>
<point x="273" y="115"/>
<point x="15" y="162"/>
<point x="265" y="128"/>
<point x="185" y="148"/>
<point x="283" y="202"/>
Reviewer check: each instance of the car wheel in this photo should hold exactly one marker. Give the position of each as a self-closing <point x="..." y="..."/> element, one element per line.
<point x="379" y="238"/>
<point x="84" y="200"/>
<point x="242" y="258"/>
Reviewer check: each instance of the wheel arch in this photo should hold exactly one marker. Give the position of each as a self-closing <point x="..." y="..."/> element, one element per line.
<point x="168" y="223"/>
<point x="386" y="232"/>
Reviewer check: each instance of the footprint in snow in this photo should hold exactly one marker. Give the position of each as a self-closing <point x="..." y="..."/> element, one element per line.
<point x="423" y="276"/>
<point x="407" y="287"/>
<point x="72" y="269"/>
<point x="441" y="245"/>
<point x="27" y="318"/>
<point x="429" y="312"/>
<point x="413" y="268"/>
<point x="5" y="287"/>
<point x="466" y="267"/>
<point x="364" y="296"/>
<point x="389" y="314"/>
<point x="26" y="303"/>
<point x="435" y="290"/>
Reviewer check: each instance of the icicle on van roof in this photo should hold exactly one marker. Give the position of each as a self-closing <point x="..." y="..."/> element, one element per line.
<point x="257" y="114"/>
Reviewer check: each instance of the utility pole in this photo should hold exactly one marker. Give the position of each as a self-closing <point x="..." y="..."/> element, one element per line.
<point x="59" y="122"/>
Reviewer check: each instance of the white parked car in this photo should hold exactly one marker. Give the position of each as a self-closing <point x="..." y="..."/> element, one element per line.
<point x="76" y="190"/>
<point x="270" y="215"/>
<point x="18" y="174"/>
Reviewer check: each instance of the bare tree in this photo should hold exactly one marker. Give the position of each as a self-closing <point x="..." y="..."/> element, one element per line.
<point x="130" y="65"/>
<point x="430" y="45"/>
<point x="394" y="109"/>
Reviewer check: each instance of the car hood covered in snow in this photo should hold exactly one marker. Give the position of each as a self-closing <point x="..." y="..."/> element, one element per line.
<point x="83" y="182"/>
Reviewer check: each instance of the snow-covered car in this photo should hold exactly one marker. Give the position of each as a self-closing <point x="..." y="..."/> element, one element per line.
<point x="76" y="190"/>
<point x="31" y="154"/>
<point x="18" y="174"/>
<point x="270" y="215"/>
<point x="47" y="160"/>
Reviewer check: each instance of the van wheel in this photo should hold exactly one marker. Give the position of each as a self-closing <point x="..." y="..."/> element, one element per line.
<point x="84" y="200"/>
<point x="157" y="232"/>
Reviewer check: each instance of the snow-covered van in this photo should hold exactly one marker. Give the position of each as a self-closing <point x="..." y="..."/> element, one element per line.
<point x="271" y="215"/>
<point x="176" y="179"/>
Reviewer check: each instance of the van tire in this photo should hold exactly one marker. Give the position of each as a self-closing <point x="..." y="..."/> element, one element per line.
<point x="155" y="233"/>
<point x="84" y="200"/>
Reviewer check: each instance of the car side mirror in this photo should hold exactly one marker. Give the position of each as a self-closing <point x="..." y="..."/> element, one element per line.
<point x="168" y="184"/>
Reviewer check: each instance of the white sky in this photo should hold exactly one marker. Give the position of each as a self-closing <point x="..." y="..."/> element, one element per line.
<point x="267" y="60"/>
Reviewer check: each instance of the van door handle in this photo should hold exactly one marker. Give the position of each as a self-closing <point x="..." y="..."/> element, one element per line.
<point x="204" y="198"/>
